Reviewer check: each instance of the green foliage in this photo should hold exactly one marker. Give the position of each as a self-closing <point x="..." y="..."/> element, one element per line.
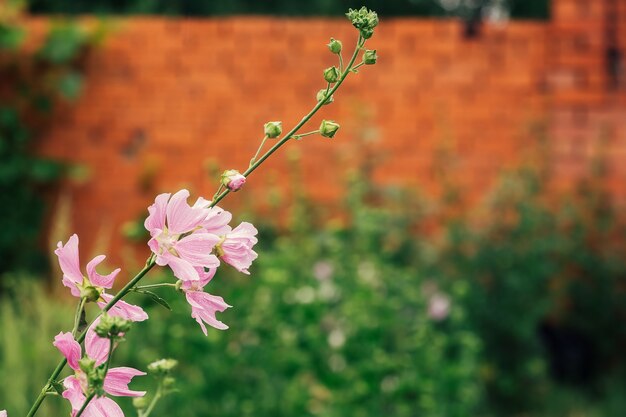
<point x="35" y="81"/>
<point x="520" y="9"/>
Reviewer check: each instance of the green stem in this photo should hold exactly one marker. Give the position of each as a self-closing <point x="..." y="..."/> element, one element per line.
<point x="305" y="119"/>
<point x="258" y="150"/>
<point x="147" y="287"/>
<point x="57" y="371"/>
<point x="358" y="66"/>
<point x="85" y="404"/>
<point x="156" y="398"/>
<point x="301" y="135"/>
<point x="340" y="62"/>
<point x="79" y="312"/>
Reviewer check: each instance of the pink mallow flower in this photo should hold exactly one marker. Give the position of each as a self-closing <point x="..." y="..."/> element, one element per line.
<point x="94" y="284"/>
<point x="76" y="386"/>
<point x="179" y="239"/>
<point x="235" y="247"/>
<point x="233" y="180"/>
<point x="3" y="413"/>
<point x="204" y="305"/>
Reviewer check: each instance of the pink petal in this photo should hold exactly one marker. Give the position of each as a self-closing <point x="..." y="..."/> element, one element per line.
<point x="69" y="348"/>
<point x="71" y="285"/>
<point x="156" y="218"/>
<point x="69" y="260"/>
<point x="205" y="277"/>
<point x="217" y="221"/>
<point x="196" y="249"/>
<point x="182" y="269"/>
<point x="237" y="247"/>
<point x="3" y="413"/>
<point x="96" y="347"/>
<point x="73" y="393"/>
<point x="123" y="309"/>
<point x="201" y="202"/>
<point x="203" y="309"/>
<point x="103" y="407"/>
<point x="117" y="380"/>
<point x="181" y="218"/>
<point x="104" y="281"/>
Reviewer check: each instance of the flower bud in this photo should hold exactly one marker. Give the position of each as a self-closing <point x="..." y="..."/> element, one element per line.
<point x="328" y="128"/>
<point x="162" y="366"/>
<point x="364" y="20"/>
<point x="90" y="293"/>
<point x="370" y="57"/>
<point x="273" y="129"/>
<point x="233" y="180"/>
<point x="140" y="403"/>
<point x="86" y="364"/>
<point x="111" y="327"/>
<point x="331" y="74"/>
<point x="321" y="96"/>
<point x="334" y="46"/>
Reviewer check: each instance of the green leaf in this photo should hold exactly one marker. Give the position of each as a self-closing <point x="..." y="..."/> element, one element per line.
<point x="155" y="298"/>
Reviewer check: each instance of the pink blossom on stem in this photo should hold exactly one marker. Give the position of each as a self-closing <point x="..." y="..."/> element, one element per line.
<point x="178" y="237"/>
<point x="3" y="413"/>
<point x="76" y="386"/>
<point x="233" y="180"/>
<point x="73" y="277"/>
<point x="236" y="247"/>
<point x="204" y="305"/>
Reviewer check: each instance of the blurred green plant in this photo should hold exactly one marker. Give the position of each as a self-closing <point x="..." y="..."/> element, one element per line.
<point x="33" y="82"/>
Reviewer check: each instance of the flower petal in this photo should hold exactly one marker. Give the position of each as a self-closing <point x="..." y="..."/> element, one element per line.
<point x="181" y="218"/>
<point x="182" y="269"/>
<point x="205" y="278"/>
<point x="203" y="309"/>
<point x="69" y="260"/>
<point x="69" y="348"/>
<point x="156" y="218"/>
<point x="103" y="407"/>
<point x="217" y="221"/>
<point x="196" y="249"/>
<point x="73" y="393"/>
<point x="96" y="347"/>
<point x="117" y="380"/>
<point x="104" y="281"/>
<point x="123" y="309"/>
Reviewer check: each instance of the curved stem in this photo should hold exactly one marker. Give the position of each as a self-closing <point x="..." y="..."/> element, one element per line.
<point x="57" y="371"/>
<point x="79" y="312"/>
<point x="305" y="119"/>
<point x="147" y="287"/>
<point x="156" y="398"/>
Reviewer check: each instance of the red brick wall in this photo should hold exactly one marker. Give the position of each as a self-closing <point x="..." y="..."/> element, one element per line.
<point x="166" y="98"/>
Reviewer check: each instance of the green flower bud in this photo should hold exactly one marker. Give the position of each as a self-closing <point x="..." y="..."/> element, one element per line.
<point x="363" y="19"/>
<point x="328" y="128"/>
<point x="140" y="403"/>
<point x="233" y="180"/>
<point x="112" y="327"/>
<point x="321" y="96"/>
<point x="331" y="74"/>
<point x="334" y="46"/>
<point x="86" y="364"/>
<point x="162" y="366"/>
<point x="370" y="57"/>
<point x="273" y="129"/>
<point x="90" y="293"/>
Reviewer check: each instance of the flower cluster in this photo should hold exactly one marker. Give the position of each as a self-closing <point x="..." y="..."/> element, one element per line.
<point x="192" y="241"/>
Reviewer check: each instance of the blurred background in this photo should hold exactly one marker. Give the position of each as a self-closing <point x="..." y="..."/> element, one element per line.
<point x="458" y="249"/>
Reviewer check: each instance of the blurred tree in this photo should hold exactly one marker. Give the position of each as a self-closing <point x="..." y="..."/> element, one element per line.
<point x="518" y="8"/>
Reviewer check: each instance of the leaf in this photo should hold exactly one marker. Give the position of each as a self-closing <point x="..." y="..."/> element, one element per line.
<point x="155" y="298"/>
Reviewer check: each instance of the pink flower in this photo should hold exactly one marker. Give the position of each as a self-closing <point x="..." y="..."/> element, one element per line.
<point x="73" y="277"/>
<point x="236" y="247"/>
<point x="233" y="180"/>
<point x="178" y="237"/>
<point x="3" y="413"/>
<point x="438" y="306"/>
<point x="94" y="284"/>
<point x="115" y="383"/>
<point x="204" y="305"/>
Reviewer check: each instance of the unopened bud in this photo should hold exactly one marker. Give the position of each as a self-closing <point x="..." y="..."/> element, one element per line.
<point x="370" y="57"/>
<point x="324" y="96"/>
<point x="331" y="74"/>
<point x="364" y="20"/>
<point x="140" y="403"/>
<point x="110" y="327"/>
<point x="86" y="364"/>
<point x="233" y="180"/>
<point x="328" y="128"/>
<point x="162" y="366"/>
<point x="273" y="129"/>
<point x="334" y="46"/>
